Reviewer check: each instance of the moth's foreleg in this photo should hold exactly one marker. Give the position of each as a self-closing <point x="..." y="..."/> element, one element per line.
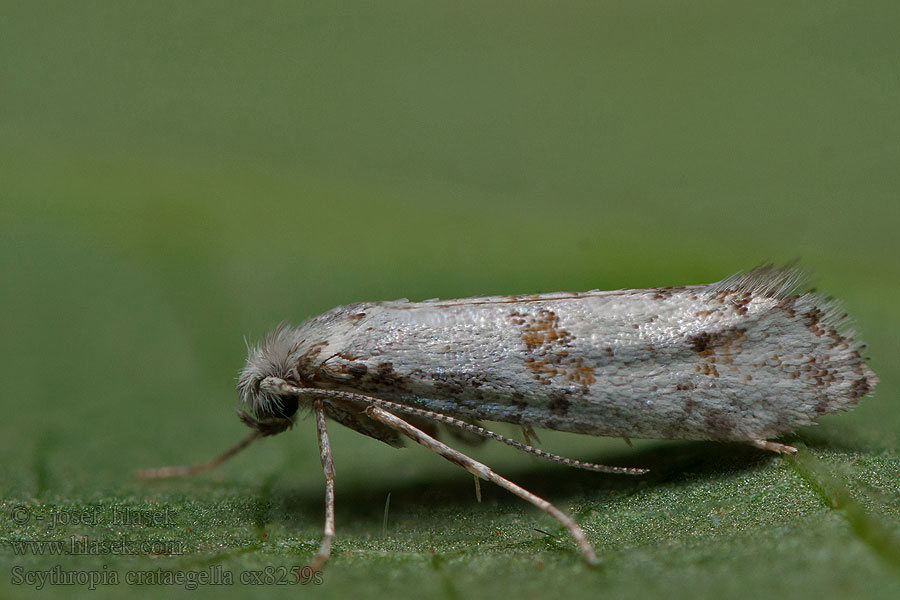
<point x="324" y="552"/>
<point x="484" y="472"/>
<point x="773" y="446"/>
<point x="185" y="470"/>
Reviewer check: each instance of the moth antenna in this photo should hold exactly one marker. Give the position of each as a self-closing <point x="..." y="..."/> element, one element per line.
<point x="185" y="470"/>
<point x="441" y="418"/>
<point x="569" y="462"/>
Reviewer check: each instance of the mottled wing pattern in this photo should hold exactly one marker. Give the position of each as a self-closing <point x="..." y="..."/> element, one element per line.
<point x="746" y="358"/>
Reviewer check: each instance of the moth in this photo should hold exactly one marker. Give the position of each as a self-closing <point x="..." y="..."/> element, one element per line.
<point x="743" y="360"/>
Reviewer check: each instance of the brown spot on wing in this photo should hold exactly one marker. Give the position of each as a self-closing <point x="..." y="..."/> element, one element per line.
<point x="665" y="292"/>
<point x="549" y="349"/>
<point x="559" y="405"/>
<point x="308" y="367"/>
<point x="717" y="347"/>
<point x="706" y="343"/>
<point x="385" y="374"/>
<point x="581" y="373"/>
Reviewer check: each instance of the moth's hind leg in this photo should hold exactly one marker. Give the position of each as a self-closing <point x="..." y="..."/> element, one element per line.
<point x="484" y="472"/>
<point x="773" y="446"/>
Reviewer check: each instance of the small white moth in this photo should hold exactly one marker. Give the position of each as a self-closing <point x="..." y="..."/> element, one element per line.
<point x="744" y="359"/>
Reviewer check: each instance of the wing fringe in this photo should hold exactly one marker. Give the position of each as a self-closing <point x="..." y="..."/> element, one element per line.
<point x="791" y="284"/>
<point x="766" y="280"/>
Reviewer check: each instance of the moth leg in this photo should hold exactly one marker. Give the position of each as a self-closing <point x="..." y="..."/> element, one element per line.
<point x="324" y="552"/>
<point x="773" y="446"/>
<point x="185" y="470"/>
<point x="480" y="470"/>
<point x="282" y="387"/>
<point x="531" y="438"/>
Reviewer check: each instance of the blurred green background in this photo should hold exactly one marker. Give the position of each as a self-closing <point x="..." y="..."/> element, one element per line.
<point x="175" y="176"/>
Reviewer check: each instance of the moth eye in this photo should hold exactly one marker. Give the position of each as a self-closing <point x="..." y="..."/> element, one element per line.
<point x="284" y="407"/>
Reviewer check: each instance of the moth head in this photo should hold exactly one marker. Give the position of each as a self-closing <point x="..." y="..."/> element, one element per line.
<point x="265" y="382"/>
